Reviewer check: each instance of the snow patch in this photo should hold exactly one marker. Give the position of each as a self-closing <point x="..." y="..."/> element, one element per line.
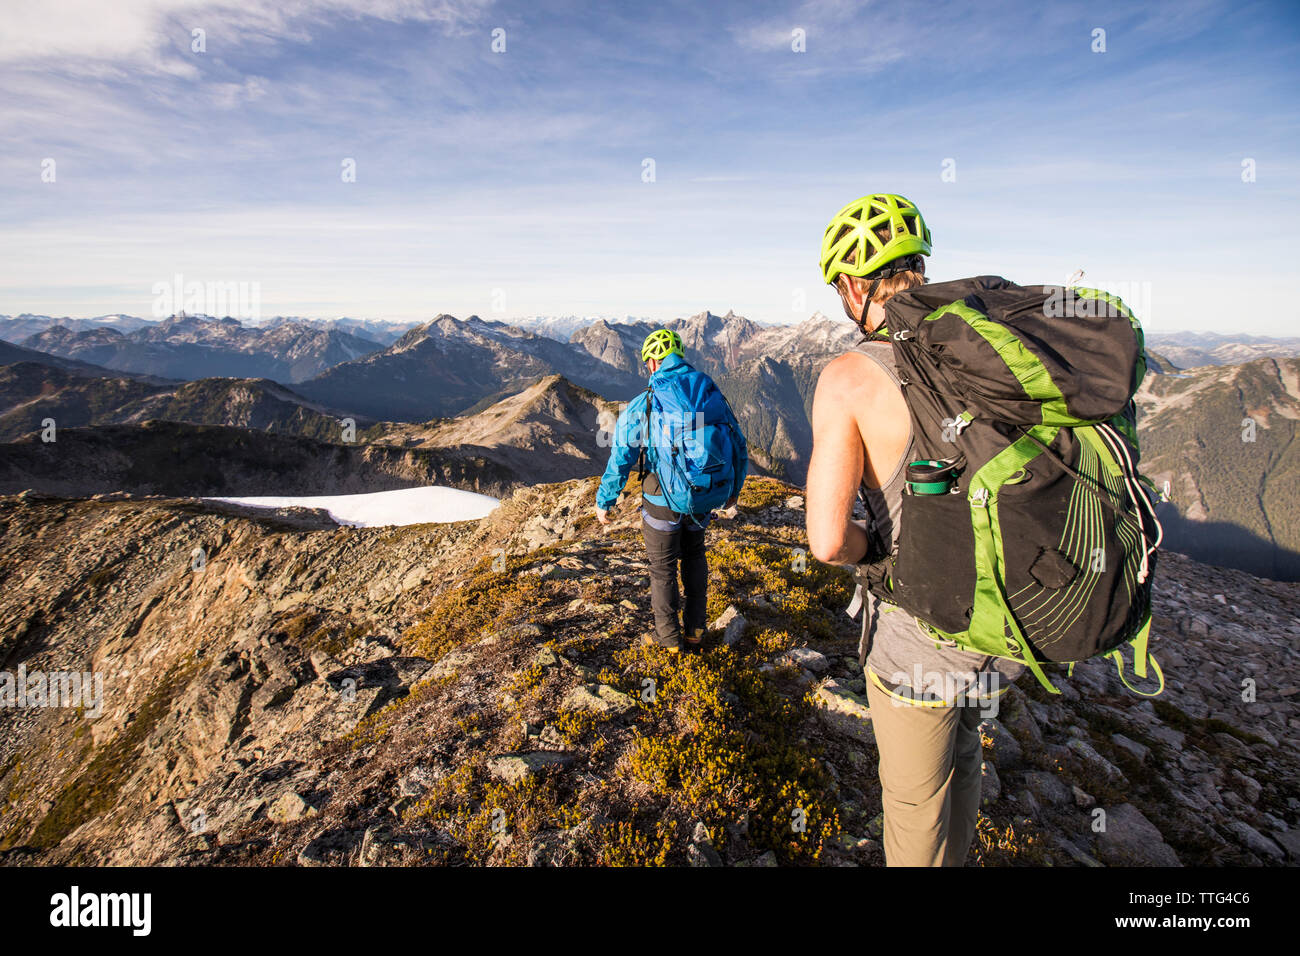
<point x="434" y="503"/>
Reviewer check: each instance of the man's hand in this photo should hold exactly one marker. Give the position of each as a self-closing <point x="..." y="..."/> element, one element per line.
<point x="602" y="515"/>
<point x="728" y="510"/>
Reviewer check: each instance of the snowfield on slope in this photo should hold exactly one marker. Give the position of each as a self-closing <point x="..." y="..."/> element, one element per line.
<point x="381" y="508"/>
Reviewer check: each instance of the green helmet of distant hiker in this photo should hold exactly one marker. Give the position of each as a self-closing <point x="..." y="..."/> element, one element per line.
<point x="852" y="244"/>
<point x="660" y="344"/>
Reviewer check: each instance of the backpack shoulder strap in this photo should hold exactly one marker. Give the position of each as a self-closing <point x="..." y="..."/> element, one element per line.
<point x="881" y="352"/>
<point x="645" y="437"/>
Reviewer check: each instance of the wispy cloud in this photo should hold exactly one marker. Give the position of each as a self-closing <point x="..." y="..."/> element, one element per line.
<point x="525" y="169"/>
<point x="144" y="36"/>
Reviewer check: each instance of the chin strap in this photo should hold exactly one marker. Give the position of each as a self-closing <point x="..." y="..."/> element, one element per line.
<point x="861" y="320"/>
<point x="907" y="263"/>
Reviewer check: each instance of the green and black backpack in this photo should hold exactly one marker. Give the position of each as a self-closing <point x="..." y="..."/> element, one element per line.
<point x="1026" y="531"/>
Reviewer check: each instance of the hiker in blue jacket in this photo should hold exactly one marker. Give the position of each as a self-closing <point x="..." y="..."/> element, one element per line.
<point x="693" y="458"/>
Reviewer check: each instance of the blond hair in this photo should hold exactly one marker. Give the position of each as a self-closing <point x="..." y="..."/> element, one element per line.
<point x="892" y="285"/>
<point x="899" y="282"/>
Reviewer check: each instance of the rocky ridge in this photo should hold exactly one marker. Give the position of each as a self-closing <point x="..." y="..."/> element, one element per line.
<point x="480" y="693"/>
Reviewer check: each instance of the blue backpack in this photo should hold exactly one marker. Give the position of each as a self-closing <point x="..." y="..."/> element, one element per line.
<point x="692" y="443"/>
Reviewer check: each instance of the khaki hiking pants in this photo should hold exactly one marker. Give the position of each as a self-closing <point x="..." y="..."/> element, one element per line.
<point x="930" y="778"/>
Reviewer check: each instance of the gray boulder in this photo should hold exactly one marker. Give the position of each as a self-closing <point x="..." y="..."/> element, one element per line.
<point x="513" y="768"/>
<point x="1130" y="839"/>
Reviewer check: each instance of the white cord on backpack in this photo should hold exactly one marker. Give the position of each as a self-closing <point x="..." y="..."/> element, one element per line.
<point x="1120" y="451"/>
<point x="1119" y="448"/>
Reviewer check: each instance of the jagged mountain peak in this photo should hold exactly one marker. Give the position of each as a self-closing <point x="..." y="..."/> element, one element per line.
<point x="197" y="320"/>
<point x="409" y="340"/>
<point x="711" y="321"/>
<point x="450" y="366"/>
<point x="550" y="429"/>
<point x="58" y="337"/>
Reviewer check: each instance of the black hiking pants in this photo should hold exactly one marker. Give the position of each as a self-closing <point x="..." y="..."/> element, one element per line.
<point x="667" y="549"/>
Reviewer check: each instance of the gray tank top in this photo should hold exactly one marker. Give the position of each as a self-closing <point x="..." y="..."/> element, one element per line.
<point x="894" y="645"/>
<point x="885" y="504"/>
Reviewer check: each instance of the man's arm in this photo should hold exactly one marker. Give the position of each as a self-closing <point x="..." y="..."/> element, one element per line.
<point x="623" y="454"/>
<point x="835" y="469"/>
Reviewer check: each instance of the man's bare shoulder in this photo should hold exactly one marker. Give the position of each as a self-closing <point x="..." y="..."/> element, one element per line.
<point x="850" y="375"/>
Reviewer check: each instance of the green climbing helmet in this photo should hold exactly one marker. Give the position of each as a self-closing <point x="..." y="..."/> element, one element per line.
<point x="851" y="246"/>
<point x="660" y="344"/>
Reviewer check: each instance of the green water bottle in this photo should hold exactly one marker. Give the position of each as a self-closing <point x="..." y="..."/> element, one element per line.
<point x="930" y="477"/>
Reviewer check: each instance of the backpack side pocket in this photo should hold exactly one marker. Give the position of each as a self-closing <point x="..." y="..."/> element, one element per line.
<point x="934" y="578"/>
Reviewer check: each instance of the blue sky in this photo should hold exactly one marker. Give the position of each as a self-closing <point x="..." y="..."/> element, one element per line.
<point x="510" y="184"/>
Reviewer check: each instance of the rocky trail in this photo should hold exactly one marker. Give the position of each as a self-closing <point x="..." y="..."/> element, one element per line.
<point x="281" y="691"/>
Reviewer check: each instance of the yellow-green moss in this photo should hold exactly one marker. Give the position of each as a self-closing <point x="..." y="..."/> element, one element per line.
<point x="803" y="593"/>
<point x="492" y="821"/>
<point x="489" y="601"/>
<point x="759" y="493"/>
<point x="624" y="843"/>
<point x="721" y="744"/>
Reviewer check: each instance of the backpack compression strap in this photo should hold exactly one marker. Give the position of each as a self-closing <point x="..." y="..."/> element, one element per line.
<point x="1141" y="656"/>
<point x="645" y="437"/>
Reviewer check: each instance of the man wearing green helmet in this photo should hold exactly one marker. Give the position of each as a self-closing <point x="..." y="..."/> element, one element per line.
<point x="692" y="458"/>
<point x="929" y="742"/>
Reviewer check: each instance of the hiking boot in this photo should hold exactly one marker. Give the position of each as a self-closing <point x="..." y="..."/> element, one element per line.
<point x="671" y="644"/>
<point x="695" y="639"/>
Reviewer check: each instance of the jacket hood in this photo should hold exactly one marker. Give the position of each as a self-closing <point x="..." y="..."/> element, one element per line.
<point x="671" y="365"/>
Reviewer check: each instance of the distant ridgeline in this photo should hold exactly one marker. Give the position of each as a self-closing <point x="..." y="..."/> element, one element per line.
<point x="1217" y="413"/>
<point x="1224" y="439"/>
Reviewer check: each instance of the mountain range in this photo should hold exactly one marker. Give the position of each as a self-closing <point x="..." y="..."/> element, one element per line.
<point x="450" y="366"/>
<point x="11" y="354"/>
<point x="16" y="328"/>
<point x="425" y="390"/>
<point x="254" y="437"/>
<point x="562" y="327"/>
<point x="193" y="347"/>
<point x="1195" y="349"/>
